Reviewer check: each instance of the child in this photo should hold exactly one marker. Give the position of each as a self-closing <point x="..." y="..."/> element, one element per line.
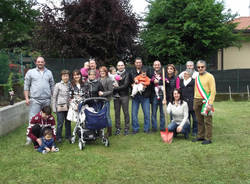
<point x="84" y="71"/>
<point x="158" y="88"/>
<point x="39" y="123"/>
<point x="48" y="144"/>
<point x="141" y="82"/>
<point x="115" y="78"/>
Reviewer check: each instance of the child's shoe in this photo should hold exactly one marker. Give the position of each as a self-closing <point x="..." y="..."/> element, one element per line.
<point x="56" y="149"/>
<point x="44" y="152"/>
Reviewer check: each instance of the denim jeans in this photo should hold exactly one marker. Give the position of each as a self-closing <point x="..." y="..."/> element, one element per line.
<point x="61" y="118"/>
<point x="136" y="101"/>
<point x="108" y="114"/>
<point x="195" y="123"/>
<point x="155" y="104"/>
<point x="173" y="126"/>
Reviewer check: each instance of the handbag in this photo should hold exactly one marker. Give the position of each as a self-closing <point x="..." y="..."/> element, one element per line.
<point x="62" y="107"/>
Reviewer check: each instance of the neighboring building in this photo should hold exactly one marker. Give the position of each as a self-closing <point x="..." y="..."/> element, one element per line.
<point x="234" y="57"/>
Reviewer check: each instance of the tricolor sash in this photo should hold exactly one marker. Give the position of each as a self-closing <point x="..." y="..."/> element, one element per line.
<point x="205" y="97"/>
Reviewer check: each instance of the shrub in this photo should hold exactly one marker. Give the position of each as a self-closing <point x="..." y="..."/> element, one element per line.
<point x="4" y="68"/>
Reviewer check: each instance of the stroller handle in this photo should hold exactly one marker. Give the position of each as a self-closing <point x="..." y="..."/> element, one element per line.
<point x="102" y="99"/>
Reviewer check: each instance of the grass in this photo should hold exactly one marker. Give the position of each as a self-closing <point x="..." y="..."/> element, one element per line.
<point x="141" y="158"/>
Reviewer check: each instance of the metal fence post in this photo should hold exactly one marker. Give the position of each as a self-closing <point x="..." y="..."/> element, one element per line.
<point x="21" y="61"/>
<point x="238" y="81"/>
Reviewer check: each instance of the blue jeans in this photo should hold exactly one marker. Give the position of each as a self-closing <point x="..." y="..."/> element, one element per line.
<point x="136" y="101"/>
<point x="61" y="118"/>
<point x="154" y="106"/>
<point x="108" y="114"/>
<point x="195" y="123"/>
<point x="173" y="126"/>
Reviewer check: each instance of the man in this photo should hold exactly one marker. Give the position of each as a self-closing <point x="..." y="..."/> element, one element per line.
<point x="189" y="65"/>
<point x="157" y="100"/>
<point x="38" y="88"/>
<point x="41" y="121"/>
<point x="92" y="66"/>
<point x="204" y="89"/>
<point x="142" y="99"/>
<point x="123" y="100"/>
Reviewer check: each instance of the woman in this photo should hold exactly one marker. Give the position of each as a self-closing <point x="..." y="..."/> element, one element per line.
<point x="187" y="89"/>
<point x="92" y="85"/>
<point x="77" y="93"/>
<point x="60" y="103"/>
<point x="173" y="81"/>
<point x="179" y="110"/>
<point x="107" y="84"/>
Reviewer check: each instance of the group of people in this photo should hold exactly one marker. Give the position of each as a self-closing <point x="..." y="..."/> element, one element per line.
<point x="188" y="95"/>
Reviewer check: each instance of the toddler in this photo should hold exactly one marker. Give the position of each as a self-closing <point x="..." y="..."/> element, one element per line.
<point x="158" y="88"/>
<point x="141" y="82"/>
<point x="84" y="71"/>
<point x="48" y="144"/>
<point x="115" y="78"/>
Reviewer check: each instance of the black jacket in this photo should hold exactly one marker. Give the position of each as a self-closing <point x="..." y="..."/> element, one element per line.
<point x="123" y="89"/>
<point x="170" y="86"/>
<point x="93" y="87"/>
<point x="188" y="93"/>
<point x="148" y="90"/>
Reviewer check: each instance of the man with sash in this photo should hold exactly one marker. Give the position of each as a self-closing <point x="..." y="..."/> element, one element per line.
<point x="204" y="95"/>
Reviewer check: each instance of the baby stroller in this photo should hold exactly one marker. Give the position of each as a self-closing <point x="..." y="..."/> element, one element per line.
<point x="91" y="121"/>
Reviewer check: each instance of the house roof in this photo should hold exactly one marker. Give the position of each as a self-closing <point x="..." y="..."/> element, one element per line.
<point x="244" y="23"/>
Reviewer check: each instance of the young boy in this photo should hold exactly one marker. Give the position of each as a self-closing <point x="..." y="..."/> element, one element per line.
<point x="39" y="123"/>
<point x="141" y="82"/>
<point x="48" y="143"/>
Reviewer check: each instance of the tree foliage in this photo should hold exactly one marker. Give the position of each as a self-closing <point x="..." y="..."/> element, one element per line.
<point x="104" y="29"/>
<point x="17" y="22"/>
<point x="177" y="31"/>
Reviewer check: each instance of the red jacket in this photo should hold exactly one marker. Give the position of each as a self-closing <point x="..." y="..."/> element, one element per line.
<point x="37" y="119"/>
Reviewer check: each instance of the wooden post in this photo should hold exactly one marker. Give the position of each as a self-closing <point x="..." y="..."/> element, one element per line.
<point x="230" y="93"/>
<point x="248" y="96"/>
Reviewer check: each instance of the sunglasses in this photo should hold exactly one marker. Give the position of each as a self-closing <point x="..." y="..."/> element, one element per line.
<point x="199" y="67"/>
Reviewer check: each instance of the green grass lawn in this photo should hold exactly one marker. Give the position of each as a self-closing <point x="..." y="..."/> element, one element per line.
<point x="141" y="158"/>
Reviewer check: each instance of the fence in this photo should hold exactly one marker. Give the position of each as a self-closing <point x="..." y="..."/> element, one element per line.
<point x="238" y="79"/>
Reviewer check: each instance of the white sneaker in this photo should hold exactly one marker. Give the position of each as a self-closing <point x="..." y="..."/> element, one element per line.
<point x="28" y="141"/>
<point x="56" y="149"/>
<point x="44" y="152"/>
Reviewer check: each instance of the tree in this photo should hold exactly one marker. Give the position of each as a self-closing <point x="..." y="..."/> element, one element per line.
<point x="177" y="31"/>
<point x="104" y="29"/>
<point x="17" y="22"/>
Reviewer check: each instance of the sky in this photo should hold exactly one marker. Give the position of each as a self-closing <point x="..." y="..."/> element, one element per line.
<point x="237" y="6"/>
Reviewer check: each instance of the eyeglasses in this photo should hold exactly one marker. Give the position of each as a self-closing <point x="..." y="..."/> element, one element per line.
<point x="199" y="67"/>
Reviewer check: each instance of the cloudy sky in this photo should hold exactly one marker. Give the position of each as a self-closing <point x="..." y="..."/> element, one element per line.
<point x="240" y="6"/>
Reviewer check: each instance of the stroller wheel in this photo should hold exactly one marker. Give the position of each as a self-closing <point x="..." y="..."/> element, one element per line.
<point x="81" y="145"/>
<point x="106" y="142"/>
